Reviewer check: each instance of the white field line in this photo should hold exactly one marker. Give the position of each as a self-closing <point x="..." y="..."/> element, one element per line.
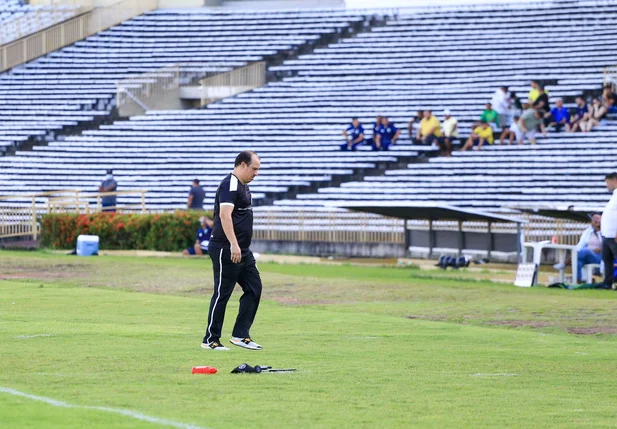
<point x="128" y="413"/>
<point x="498" y="374"/>
<point x="34" y="336"/>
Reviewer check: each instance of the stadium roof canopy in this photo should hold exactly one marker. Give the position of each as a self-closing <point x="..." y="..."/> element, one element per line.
<point x="574" y="213"/>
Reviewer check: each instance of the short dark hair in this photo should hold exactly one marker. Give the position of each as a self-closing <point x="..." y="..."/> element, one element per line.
<point x="246" y="156"/>
<point x="354" y="119"/>
<point x="484" y="122"/>
<point x="504" y="87"/>
<point x="196" y="181"/>
<point x="611" y="176"/>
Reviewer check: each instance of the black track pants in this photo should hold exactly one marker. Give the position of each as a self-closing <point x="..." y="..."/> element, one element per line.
<point x="226" y="275"/>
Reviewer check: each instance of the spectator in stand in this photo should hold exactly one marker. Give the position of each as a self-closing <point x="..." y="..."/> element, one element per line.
<point x="374" y="141"/>
<point x="589" y="247"/>
<point x="414" y="126"/>
<point x="481" y="134"/>
<point x="109" y="185"/>
<point x="541" y="102"/>
<point x="501" y="102"/>
<point x="449" y="129"/>
<point x="196" y="197"/>
<point x="558" y="116"/>
<point x="593" y="117"/>
<point x="490" y="116"/>
<point x="430" y="129"/>
<point x="389" y="134"/>
<point x="609" y="99"/>
<point x="203" y="238"/>
<point x="514" y="132"/>
<point x="354" y="135"/>
<point x="529" y="121"/>
<point x="581" y="111"/>
<point x="534" y="93"/>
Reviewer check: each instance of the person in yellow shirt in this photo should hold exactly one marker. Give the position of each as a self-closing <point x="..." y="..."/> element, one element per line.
<point x="480" y="135"/>
<point x="534" y="93"/>
<point x="430" y="129"/>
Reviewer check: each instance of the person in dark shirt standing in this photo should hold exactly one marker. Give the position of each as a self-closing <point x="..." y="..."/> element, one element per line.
<point x="196" y="197"/>
<point x="109" y="185"/>
<point x="232" y="260"/>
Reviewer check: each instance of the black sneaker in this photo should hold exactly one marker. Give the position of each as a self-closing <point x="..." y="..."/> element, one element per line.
<point x="213" y="345"/>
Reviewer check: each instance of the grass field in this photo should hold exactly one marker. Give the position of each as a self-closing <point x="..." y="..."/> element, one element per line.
<point x="374" y="346"/>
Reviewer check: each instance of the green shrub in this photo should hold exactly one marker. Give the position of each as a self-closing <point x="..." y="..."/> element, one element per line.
<point x="167" y="232"/>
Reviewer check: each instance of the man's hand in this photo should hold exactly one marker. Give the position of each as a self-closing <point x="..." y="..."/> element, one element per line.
<point x="599" y="249"/>
<point x="236" y="255"/>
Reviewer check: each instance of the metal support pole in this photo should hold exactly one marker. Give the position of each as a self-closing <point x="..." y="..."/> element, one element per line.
<point x="519" y="250"/>
<point x="490" y="240"/>
<point x="406" y="240"/>
<point x="461" y="238"/>
<point x="431" y="239"/>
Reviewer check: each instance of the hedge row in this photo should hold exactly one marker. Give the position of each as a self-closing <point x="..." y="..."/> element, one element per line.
<point x="166" y="232"/>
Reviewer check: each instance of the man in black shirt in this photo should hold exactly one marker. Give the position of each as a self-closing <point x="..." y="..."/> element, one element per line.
<point x="232" y="261"/>
<point x="196" y="197"/>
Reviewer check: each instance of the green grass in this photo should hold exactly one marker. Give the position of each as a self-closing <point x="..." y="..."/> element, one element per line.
<point x="125" y="332"/>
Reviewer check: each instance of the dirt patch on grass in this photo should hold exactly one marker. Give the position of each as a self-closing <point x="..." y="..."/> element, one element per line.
<point x="592" y="331"/>
<point x="432" y="317"/>
<point x="520" y="323"/>
<point x="36" y="276"/>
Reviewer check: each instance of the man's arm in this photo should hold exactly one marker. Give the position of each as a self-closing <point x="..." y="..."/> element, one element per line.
<point x="228" y="229"/>
<point x="197" y="247"/>
<point x="396" y="135"/>
<point x="359" y="139"/>
<point x="190" y="201"/>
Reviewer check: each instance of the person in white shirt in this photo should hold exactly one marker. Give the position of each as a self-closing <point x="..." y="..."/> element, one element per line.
<point x="501" y="103"/>
<point x="449" y="128"/>
<point x="589" y="247"/>
<point x="609" y="230"/>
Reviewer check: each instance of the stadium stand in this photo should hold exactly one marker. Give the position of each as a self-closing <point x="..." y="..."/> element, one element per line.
<point x="437" y="59"/>
<point x="18" y="19"/>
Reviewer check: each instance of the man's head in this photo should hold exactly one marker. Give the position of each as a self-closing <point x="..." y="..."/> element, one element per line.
<point x="247" y="166"/>
<point x="596" y="219"/>
<point x="540" y="89"/>
<point x="579" y="101"/>
<point x="206" y="221"/>
<point x="109" y="173"/>
<point x="427" y="114"/>
<point x="596" y="102"/>
<point x="196" y="182"/>
<point x="516" y="118"/>
<point x="611" y="181"/>
<point x="535" y="84"/>
<point x="489" y="106"/>
<point x="483" y="124"/>
<point x="559" y="103"/>
<point x="419" y="114"/>
<point x="504" y="89"/>
<point x="446" y="113"/>
<point x="378" y="119"/>
<point x="384" y="120"/>
<point x="355" y="122"/>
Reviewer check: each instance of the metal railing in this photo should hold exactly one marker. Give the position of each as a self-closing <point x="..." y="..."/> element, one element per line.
<point x="19" y="214"/>
<point x="70" y="31"/>
<point x="239" y="80"/>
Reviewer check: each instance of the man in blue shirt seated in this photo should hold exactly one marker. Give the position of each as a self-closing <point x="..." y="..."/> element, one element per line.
<point x="558" y="116"/>
<point x="581" y="111"/>
<point x="354" y="135"/>
<point x="388" y="133"/>
<point x="374" y="140"/>
<point x="203" y="238"/>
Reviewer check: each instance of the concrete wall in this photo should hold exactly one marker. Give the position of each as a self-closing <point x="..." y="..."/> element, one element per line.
<point x="168" y="100"/>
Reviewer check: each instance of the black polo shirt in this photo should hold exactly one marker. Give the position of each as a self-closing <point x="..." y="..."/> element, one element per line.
<point x="233" y="192"/>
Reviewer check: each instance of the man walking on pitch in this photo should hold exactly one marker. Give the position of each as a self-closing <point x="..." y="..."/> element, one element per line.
<point x="232" y="261"/>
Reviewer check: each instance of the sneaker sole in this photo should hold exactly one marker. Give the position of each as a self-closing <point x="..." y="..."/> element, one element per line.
<point x="244" y="346"/>
<point x="207" y="347"/>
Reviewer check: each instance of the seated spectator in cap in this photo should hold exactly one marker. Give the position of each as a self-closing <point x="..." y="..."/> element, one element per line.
<point x="414" y="126"/>
<point x="203" y="238"/>
<point x="481" y="134"/>
<point x="529" y="121"/>
<point x="513" y="132"/>
<point x="449" y="129"/>
<point x="374" y="140"/>
<point x="196" y="197"/>
<point x="501" y="102"/>
<point x="593" y="117"/>
<point x="579" y="114"/>
<point x="389" y="134"/>
<point x="558" y="116"/>
<point x="490" y="116"/>
<point x="541" y="102"/>
<point x="430" y="129"/>
<point x="108" y="202"/>
<point x="354" y="135"/>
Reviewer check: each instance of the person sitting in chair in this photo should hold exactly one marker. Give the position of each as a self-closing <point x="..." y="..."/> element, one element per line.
<point x="589" y="247"/>
<point x="203" y="238"/>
